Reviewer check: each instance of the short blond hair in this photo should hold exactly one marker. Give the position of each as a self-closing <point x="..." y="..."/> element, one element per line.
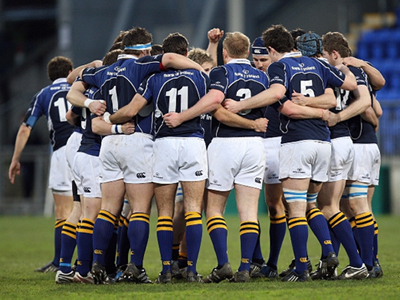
<point x="200" y="56"/>
<point x="236" y="44"/>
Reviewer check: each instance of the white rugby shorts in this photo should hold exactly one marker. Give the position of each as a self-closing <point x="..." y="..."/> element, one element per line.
<point x="305" y="159"/>
<point x="72" y="147"/>
<point x="366" y="164"/>
<point x="86" y="170"/>
<point x="179" y="159"/>
<point x="127" y="157"/>
<point x="342" y="157"/>
<point x="238" y="160"/>
<point x="60" y="176"/>
<point x="272" y="148"/>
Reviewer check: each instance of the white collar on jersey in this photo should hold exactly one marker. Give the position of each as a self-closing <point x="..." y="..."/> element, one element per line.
<point x="323" y="59"/>
<point x="60" y="80"/>
<point x="292" y="54"/>
<point x="126" y="56"/>
<point x="239" y="61"/>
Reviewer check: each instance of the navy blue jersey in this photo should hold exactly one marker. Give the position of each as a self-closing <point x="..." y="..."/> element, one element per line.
<point x="274" y="125"/>
<point x="52" y="102"/>
<point x="119" y="82"/>
<point x="90" y="143"/>
<point x="238" y="80"/>
<point x="175" y="91"/>
<point x="343" y="99"/>
<point x="309" y="77"/>
<point x="363" y="132"/>
<point x="205" y="121"/>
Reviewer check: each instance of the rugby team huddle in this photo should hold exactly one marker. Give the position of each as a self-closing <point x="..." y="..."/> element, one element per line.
<point x="299" y="120"/>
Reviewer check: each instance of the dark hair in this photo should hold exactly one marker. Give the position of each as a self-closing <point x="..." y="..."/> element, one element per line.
<point x="120" y="36"/>
<point x="59" y="67"/>
<point x="297" y="32"/>
<point x="279" y="38"/>
<point x="336" y="41"/>
<point x="136" y="36"/>
<point x="176" y="43"/>
<point x="111" y="57"/>
<point x="156" y="49"/>
<point x="115" y="46"/>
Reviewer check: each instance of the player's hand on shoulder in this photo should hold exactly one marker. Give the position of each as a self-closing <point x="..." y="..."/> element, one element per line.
<point x="355" y="62"/>
<point x="98" y="107"/>
<point x="172" y="119"/>
<point x="261" y="125"/>
<point x="231" y="105"/>
<point x="214" y="35"/>
<point x="128" y="127"/>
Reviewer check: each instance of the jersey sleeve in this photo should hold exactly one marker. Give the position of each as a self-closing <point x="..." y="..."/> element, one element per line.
<point x="93" y="76"/>
<point x="153" y="62"/>
<point x="145" y="90"/>
<point x="219" y="80"/>
<point x="76" y="110"/>
<point x="333" y="75"/>
<point x="34" y="112"/>
<point x="360" y="75"/>
<point x="279" y="103"/>
<point x="276" y="74"/>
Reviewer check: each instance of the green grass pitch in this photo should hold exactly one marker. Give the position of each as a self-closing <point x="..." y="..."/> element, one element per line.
<point x="26" y="243"/>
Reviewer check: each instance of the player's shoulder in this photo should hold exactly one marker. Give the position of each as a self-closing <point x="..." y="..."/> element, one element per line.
<point x="148" y="59"/>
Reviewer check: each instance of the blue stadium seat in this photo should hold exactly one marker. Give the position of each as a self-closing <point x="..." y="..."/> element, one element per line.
<point x="363" y="50"/>
<point x="393" y="45"/>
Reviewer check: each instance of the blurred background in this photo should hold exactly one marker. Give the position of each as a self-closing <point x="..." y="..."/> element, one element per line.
<point x="32" y="32"/>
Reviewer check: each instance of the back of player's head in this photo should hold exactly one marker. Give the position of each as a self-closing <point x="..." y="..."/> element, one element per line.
<point x="200" y="56"/>
<point x="59" y="67"/>
<point x="175" y="43"/>
<point x="136" y="40"/>
<point x="111" y="57"/>
<point x="279" y="38"/>
<point x="258" y="48"/>
<point x="156" y="49"/>
<point x="336" y="41"/>
<point x="309" y="44"/>
<point x="117" y="45"/>
<point x="236" y="44"/>
<point x="296" y="33"/>
<point x="120" y="36"/>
